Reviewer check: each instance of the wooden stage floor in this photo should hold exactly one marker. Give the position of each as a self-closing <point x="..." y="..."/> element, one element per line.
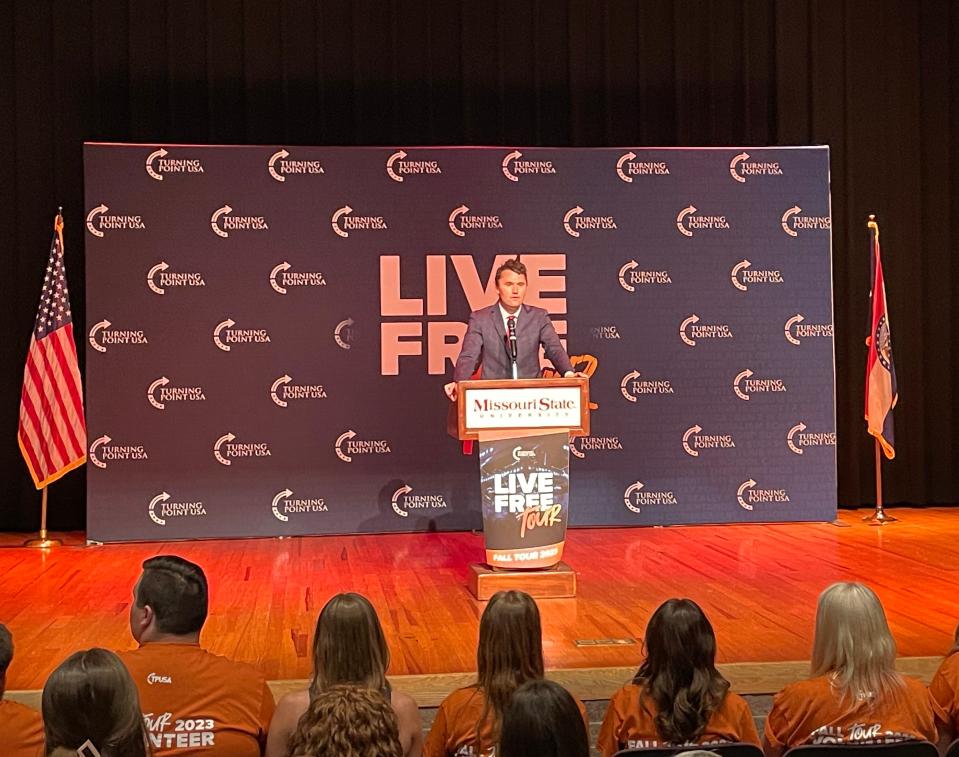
<point x="758" y="584"/>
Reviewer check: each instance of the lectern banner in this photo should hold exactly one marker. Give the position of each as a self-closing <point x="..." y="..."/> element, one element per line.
<point x="525" y="488"/>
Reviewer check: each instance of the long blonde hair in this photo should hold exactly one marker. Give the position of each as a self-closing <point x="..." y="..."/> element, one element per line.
<point x="853" y="644"/>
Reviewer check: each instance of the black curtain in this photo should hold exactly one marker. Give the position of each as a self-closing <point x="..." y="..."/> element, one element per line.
<point x="877" y="80"/>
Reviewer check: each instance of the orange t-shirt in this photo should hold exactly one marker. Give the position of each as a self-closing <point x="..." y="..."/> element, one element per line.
<point x="453" y="733"/>
<point x="198" y="703"/>
<point x="630" y="723"/>
<point x="810" y="712"/>
<point x="22" y="730"/>
<point x="945" y="688"/>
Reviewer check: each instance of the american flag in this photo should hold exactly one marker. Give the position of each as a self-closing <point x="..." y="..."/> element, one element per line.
<point x="52" y="431"/>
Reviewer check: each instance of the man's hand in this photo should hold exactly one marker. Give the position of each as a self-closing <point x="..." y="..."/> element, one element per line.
<point x="575" y="374"/>
<point x="450" y="390"/>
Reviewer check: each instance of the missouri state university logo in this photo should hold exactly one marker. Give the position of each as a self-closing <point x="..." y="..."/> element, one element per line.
<point x="223" y="222"/>
<point x="226" y="335"/>
<point x="100" y="222"/>
<point x="103" y="335"/>
<point x="743" y="167"/>
<point x="575" y="222"/>
<point x="284" y="505"/>
<point x="163" y="507"/>
<point x="347" y="446"/>
<point x="405" y="501"/>
<point x="282" y="278"/>
<point x="461" y="221"/>
<point x="627" y="167"/>
<point x="159" y="164"/>
<point x="345" y="220"/>
<point x="688" y="222"/>
<point x="399" y="165"/>
<point x="160" y="393"/>
<point x="637" y="496"/>
<point x="748" y="495"/>
<point x="103" y="451"/>
<point x="746" y="386"/>
<point x="159" y="278"/>
<point x="226" y="449"/>
<point x="799" y="438"/>
<point x="743" y="275"/>
<point x="631" y="275"/>
<point x="634" y="385"/>
<point x="281" y="165"/>
<point x="794" y="222"/>
<point x="283" y="391"/>
<point x="796" y="329"/>
<point x="692" y="330"/>
<point x="695" y="441"/>
<point x="515" y="166"/>
<point x="581" y="446"/>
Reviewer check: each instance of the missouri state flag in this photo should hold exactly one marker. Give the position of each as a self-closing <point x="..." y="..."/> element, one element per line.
<point x="881" y="394"/>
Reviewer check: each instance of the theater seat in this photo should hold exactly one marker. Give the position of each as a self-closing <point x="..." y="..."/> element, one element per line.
<point x="726" y="750"/>
<point x="899" y="749"/>
<point x="953" y="750"/>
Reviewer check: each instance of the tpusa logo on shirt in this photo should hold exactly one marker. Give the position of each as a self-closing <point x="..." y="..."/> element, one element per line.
<point x="157" y="678"/>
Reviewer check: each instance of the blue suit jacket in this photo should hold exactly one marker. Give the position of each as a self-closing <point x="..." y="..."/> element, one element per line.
<point x="485" y="342"/>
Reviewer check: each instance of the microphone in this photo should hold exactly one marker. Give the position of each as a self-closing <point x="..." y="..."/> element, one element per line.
<point x="511" y="337"/>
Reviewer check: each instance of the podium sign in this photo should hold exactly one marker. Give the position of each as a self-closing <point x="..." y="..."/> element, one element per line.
<point x="524" y="428"/>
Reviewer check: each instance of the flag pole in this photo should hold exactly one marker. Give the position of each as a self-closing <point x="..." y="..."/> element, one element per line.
<point x="878" y="517"/>
<point x="43" y="542"/>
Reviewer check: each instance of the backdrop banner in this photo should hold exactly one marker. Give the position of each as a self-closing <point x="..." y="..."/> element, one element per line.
<point x="269" y="330"/>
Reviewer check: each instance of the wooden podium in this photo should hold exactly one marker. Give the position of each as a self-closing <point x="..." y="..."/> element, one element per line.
<point x="522" y="410"/>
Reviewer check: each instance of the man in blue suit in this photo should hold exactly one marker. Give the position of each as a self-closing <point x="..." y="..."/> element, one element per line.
<point x="487" y="340"/>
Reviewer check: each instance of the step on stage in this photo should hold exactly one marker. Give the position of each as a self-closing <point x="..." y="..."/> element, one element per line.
<point x="757" y="583"/>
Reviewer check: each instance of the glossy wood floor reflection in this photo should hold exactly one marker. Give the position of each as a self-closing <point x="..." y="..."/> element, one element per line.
<point x="758" y="583"/>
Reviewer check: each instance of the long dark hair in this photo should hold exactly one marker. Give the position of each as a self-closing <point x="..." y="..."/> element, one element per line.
<point x="543" y="720"/>
<point x="349" y="646"/>
<point x="679" y="672"/>
<point x="510" y="651"/>
<point x="91" y="697"/>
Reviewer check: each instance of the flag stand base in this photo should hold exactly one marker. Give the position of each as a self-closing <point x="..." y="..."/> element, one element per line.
<point x="879" y="518"/>
<point x="43" y="542"/>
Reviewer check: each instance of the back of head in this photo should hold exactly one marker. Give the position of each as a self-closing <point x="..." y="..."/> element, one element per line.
<point x="853" y="643"/>
<point x="510" y="648"/>
<point x="679" y="672"/>
<point x="542" y="719"/>
<point x="91" y="697"/>
<point x="6" y="655"/>
<point x="176" y="590"/>
<point x="349" y="646"/>
<point x="347" y="721"/>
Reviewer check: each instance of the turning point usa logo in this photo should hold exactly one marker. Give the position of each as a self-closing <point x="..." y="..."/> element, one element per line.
<point x="222" y="222"/>
<point x="638" y="496"/>
<point x="224" y="335"/>
<point x="343" y="222"/>
<point x="460" y="222"/>
<point x="631" y="276"/>
<point x="690" y="330"/>
<point x="574" y="222"/>
<point x="798" y="438"/>
<point x="99" y="221"/>
<point x="159" y="278"/>
<point x="741" y="168"/>
<point x="793" y="223"/>
<point x="284" y="504"/>
<point x="101" y="336"/>
<point x="747" y="495"/>
<point x="161" y="509"/>
<point x="279" y="166"/>
<point x="158" y="164"/>
<point x="687" y="223"/>
<point x="226" y="449"/>
<point x="514" y="166"/>
<point x="398" y="167"/>
<point x="347" y="445"/>
<point x="403" y="501"/>
<point x="102" y="452"/>
<point x="627" y="167"/>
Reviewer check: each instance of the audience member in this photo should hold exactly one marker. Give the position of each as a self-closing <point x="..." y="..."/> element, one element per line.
<point x="542" y="719"/>
<point x="855" y="694"/>
<point x="348" y="648"/>
<point x="347" y="721"/>
<point x="945" y="690"/>
<point x="677" y="697"/>
<point x="21" y="727"/>
<point x="509" y="654"/>
<point x="90" y="700"/>
<point x="194" y="702"/>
